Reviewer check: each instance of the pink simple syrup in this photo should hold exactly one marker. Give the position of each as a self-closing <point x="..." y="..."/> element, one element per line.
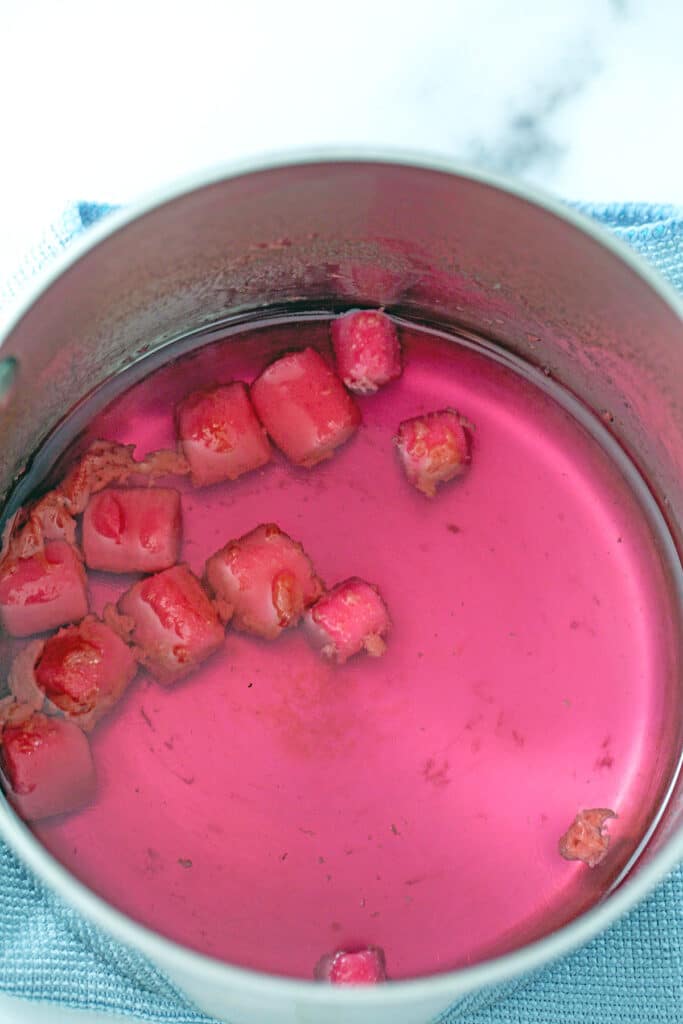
<point x="272" y="807"/>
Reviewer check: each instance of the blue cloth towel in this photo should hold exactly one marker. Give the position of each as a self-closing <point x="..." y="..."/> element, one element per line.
<point x="632" y="974"/>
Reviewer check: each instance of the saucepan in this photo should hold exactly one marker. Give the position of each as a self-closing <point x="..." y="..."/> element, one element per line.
<point x="440" y="244"/>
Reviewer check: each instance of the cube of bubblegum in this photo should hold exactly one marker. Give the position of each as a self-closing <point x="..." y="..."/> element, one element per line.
<point x="133" y="529"/>
<point x="587" y="838"/>
<point x="351" y="617"/>
<point x="433" y="449"/>
<point x="304" y="407"/>
<point x="103" y="463"/>
<point x="172" y="623"/>
<point x="264" y="580"/>
<point x="43" y="591"/>
<point x="220" y="434"/>
<point x="367" y="350"/>
<point x="364" y="967"/>
<point x="81" y="671"/>
<point x="47" y="766"/>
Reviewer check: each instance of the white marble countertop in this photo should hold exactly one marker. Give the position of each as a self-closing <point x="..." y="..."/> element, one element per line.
<point x="105" y="102"/>
<point x="582" y="98"/>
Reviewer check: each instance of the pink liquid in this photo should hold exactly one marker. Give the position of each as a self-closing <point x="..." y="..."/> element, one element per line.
<point x="272" y="807"/>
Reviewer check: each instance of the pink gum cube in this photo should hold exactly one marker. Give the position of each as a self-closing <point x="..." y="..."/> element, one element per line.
<point x="220" y="434"/>
<point x="81" y="671"/>
<point x="104" y="463"/>
<point x="132" y="529"/>
<point x="367" y="350"/>
<point x="47" y="766"/>
<point x="587" y="838"/>
<point x="351" y="617"/>
<point x="265" y="580"/>
<point x="305" y="407"/>
<point x="433" y="449"/>
<point x="43" y="591"/>
<point x="364" y="967"/>
<point x="172" y="623"/>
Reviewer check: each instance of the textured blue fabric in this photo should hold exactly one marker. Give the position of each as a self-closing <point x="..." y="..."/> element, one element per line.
<point x="633" y="974"/>
<point x="655" y="232"/>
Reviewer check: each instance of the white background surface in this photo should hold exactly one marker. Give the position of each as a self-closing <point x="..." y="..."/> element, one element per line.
<point x="103" y="102"/>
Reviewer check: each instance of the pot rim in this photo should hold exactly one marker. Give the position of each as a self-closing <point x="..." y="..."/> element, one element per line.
<point x="260" y="985"/>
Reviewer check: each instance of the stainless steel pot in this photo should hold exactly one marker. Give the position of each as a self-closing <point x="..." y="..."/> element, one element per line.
<point x="443" y="244"/>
